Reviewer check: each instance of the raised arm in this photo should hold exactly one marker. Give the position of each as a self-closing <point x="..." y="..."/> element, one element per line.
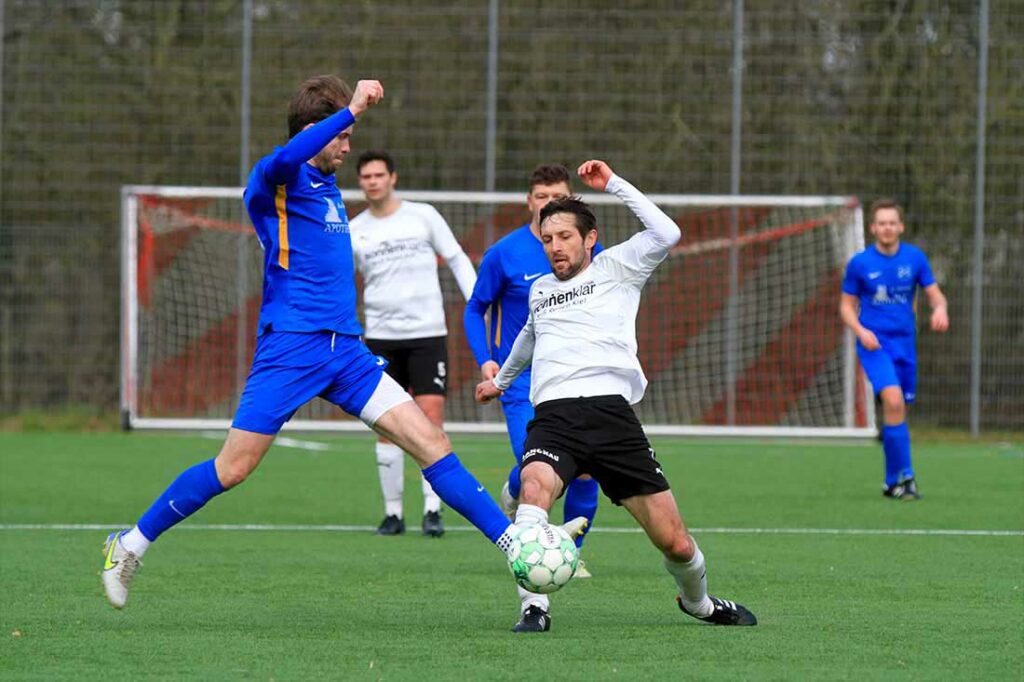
<point x="644" y="251"/>
<point x="285" y="164"/>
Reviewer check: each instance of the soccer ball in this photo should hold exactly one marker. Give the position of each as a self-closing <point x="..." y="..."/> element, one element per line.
<point x="542" y="557"/>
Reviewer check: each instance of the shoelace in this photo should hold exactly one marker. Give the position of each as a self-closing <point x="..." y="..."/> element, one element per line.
<point x="129" y="564"/>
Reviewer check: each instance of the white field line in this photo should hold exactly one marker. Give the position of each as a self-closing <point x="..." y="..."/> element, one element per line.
<point x="700" y="531"/>
<point x="282" y="441"/>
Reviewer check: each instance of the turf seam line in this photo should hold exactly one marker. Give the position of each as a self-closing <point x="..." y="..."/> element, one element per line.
<point x="369" y="529"/>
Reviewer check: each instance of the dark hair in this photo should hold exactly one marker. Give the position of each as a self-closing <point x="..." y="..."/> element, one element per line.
<point x="375" y="155"/>
<point x="549" y="174"/>
<point x="885" y="203"/>
<point x="584" y="217"/>
<point x="316" y="99"/>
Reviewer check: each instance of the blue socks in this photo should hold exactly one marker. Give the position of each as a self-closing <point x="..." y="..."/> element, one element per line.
<point x="184" y="497"/>
<point x="896" y="445"/>
<point x="581" y="500"/>
<point x="462" y="492"/>
<point x="514" y="484"/>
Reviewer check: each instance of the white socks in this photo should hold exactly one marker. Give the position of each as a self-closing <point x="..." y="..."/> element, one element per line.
<point x="528" y="599"/>
<point x="526" y="513"/>
<point x="391" y="468"/>
<point x="431" y="502"/>
<point x="135" y="542"/>
<point x="529" y="513"/>
<point x="691" y="577"/>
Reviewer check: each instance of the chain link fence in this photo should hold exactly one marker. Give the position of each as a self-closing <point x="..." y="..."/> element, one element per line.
<point x="860" y="98"/>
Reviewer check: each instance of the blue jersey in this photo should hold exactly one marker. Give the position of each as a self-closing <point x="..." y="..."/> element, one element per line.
<point x="885" y="286"/>
<point x="308" y="274"/>
<point x="503" y="283"/>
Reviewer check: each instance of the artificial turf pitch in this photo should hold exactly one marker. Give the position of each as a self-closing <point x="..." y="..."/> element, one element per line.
<point x="845" y="583"/>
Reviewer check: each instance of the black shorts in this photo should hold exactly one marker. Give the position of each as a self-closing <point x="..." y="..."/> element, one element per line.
<point x="600" y="436"/>
<point x="418" y="365"/>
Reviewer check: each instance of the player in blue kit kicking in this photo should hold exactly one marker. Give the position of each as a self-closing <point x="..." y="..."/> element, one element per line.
<point x="877" y="303"/>
<point x="308" y="336"/>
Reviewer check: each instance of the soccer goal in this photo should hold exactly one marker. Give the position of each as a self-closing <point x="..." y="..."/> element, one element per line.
<point x="738" y="330"/>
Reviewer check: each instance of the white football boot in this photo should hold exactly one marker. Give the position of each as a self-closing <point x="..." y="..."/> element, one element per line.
<point x="509" y="504"/>
<point x="119" y="566"/>
<point x="575" y="528"/>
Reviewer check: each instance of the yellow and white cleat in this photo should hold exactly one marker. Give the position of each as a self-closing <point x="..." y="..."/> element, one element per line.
<point x="581" y="571"/>
<point x="575" y="528"/>
<point x="119" y="567"/>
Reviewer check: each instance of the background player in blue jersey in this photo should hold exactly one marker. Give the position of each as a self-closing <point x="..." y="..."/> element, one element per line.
<point x="308" y="336"/>
<point x="877" y="303"/>
<point x="503" y="283"/>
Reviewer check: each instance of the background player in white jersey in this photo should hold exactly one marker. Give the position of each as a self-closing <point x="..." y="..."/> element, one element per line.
<point x="581" y="340"/>
<point x="396" y="244"/>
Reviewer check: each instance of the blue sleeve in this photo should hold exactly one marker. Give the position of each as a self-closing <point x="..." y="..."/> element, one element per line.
<point x="490" y="283"/>
<point x="924" y="276"/>
<point x="284" y="164"/>
<point x="851" y="282"/>
<point x="597" y="249"/>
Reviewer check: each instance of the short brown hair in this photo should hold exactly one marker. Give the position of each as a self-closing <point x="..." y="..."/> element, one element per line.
<point x="549" y="174"/>
<point x="316" y="99"/>
<point x="885" y="203"/>
<point x="582" y="215"/>
<point x="375" y="155"/>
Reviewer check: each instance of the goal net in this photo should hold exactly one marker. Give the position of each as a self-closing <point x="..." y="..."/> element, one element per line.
<point x="739" y="332"/>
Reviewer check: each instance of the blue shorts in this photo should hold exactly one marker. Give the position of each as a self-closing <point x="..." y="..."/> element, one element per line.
<point x="291" y="368"/>
<point x="894" y="364"/>
<point x="518" y="414"/>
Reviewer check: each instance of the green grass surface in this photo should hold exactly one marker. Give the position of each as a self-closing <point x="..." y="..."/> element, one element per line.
<point x="220" y="604"/>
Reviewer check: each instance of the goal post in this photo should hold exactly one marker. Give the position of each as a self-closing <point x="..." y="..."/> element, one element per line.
<point x="738" y="331"/>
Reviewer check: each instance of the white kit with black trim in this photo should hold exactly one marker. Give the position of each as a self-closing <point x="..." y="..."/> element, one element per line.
<point x="581" y="333"/>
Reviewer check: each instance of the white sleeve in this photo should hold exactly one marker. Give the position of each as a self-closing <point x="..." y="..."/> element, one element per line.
<point x="519" y="358"/>
<point x="642" y="252"/>
<point x="465" y="275"/>
<point x="446" y="246"/>
<point x="441" y="237"/>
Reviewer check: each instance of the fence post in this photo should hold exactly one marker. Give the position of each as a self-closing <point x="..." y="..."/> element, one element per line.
<point x="979" y="221"/>
<point x="242" y="289"/>
<point x="732" y="312"/>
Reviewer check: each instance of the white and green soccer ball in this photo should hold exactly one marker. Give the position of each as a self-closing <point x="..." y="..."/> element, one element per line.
<point x="542" y="557"/>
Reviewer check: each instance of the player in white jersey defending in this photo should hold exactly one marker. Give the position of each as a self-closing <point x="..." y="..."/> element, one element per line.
<point x="396" y="244"/>
<point x="581" y="339"/>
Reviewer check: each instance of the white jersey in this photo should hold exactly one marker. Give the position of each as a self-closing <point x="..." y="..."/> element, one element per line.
<point x="581" y="332"/>
<point x="397" y="256"/>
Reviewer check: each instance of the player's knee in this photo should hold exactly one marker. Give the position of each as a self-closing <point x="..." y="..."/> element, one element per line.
<point x="539" y="485"/>
<point x="438" y="441"/>
<point x="678" y="547"/>
<point x="235" y="468"/>
<point x="893" y="406"/>
<point x="233" y="472"/>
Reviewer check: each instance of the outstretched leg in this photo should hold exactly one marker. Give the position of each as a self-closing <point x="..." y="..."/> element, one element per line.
<point x="659" y="516"/>
<point x="188" y="493"/>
